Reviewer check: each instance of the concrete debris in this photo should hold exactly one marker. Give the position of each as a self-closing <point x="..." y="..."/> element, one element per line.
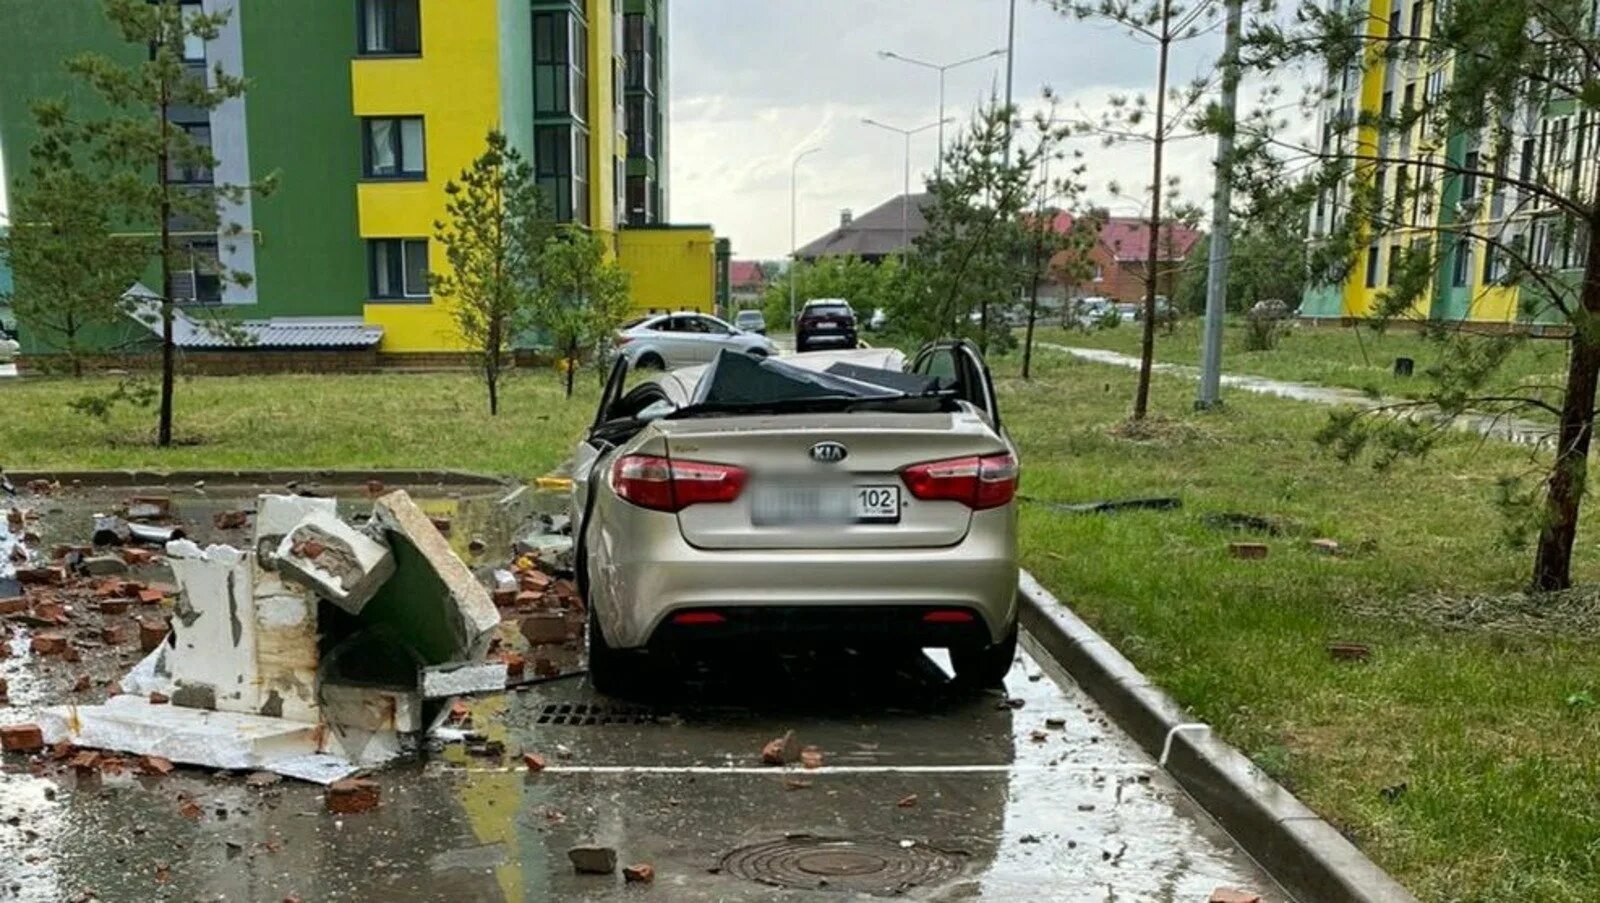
<point x="352" y="796"/>
<point x="230" y="520"/>
<point x="811" y="757"/>
<point x="907" y="802"/>
<point x="103" y="566"/>
<point x="260" y="780"/>
<point x="148" y="507"/>
<point x="253" y="673"/>
<point x="1326" y="546"/>
<point x="463" y="679"/>
<point x="336" y="561"/>
<point x="640" y="873"/>
<point x="593" y="860"/>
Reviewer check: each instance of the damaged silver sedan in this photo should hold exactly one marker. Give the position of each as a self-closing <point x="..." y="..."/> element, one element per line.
<point x="836" y="499"/>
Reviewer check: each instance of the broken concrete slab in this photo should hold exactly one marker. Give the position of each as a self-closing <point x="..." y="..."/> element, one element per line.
<point x="276" y="515"/>
<point x="286" y="647"/>
<point x="213" y="642"/>
<point x="335" y="560"/>
<point x="226" y="740"/>
<point x="433" y="600"/>
<point x="463" y="679"/>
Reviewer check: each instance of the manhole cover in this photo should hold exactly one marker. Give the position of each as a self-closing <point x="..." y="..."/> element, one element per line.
<point x="859" y="866"/>
<point x="575" y="714"/>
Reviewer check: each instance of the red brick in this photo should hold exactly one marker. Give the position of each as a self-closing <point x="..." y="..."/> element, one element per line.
<point x="158" y="698"/>
<point x="14" y="605"/>
<point x="811" y="757"/>
<point x="137" y="557"/>
<point x="516" y="665"/>
<point x="151" y="634"/>
<point x="542" y="628"/>
<point x="115" y="606"/>
<point x="375" y="488"/>
<point x="642" y="873"/>
<point x="1248" y="551"/>
<point x="544" y="667"/>
<point x="190" y="809"/>
<point x="44" y="576"/>
<point x="1350" y="652"/>
<point x="230" y="520"/>
<point x="3" y="688"/>
<point x="505" y="598"/>
<point x="534" y="580"/>
<point x="152" y="596"/>
<point x="534" y="761"/>
<point x="442" y="524"/>
<point x="85" y="761"/>
<point x="50" y="612"/>
<point x="155" y="765"/>
<point x="82" y="684"/>
<point x="352" y="795"/>
<point x="114" y="634"/>
<point x="1234" y="895"/>
<point x="48" y="644"/>
<point x="21" y="738"/>
<point x="780" y="750"/>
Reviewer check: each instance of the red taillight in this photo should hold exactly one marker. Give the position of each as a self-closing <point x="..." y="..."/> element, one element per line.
<point x="978" y="483"/>
<point x="948" y="616"/>
<point x="664" y="485"/>
<point x="698" y="619"/>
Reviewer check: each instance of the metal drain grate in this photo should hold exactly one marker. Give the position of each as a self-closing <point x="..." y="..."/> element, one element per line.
<point x="585" y="714"/>
<point x="877" y="867"/>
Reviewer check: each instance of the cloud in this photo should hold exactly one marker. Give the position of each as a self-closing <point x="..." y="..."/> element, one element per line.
<point x="754" y="83"/>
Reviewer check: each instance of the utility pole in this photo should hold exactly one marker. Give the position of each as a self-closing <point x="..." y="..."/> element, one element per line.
<point x="941" y="69"/>
<point x="1221" y="205"/>
<point x="794" y="226"/>
<point x="1011" y="55"/>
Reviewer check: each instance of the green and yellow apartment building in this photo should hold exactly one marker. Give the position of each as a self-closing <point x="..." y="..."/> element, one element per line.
<point x="365" y="109"/>
<point x="1552" y="144"/>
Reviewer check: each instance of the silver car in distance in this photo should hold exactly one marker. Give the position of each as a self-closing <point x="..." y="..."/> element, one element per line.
<point x="836" y="498"/>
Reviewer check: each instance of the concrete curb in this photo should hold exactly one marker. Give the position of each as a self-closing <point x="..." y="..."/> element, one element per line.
<point x="1308" y="856"/>
<point x="135" y="478"/>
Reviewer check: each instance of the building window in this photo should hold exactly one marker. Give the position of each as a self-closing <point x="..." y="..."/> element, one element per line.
<point x="394" y="148"/>
<point x="390" y="28"/>
<point x="639" y="208"/>
<point x="193" y="171"/>
<point x="398" y="268"/>
<point x="194" y="46"/>
<point x="197" y="274"/>
<point x="560" y="65"/>
<point x="1394" y="265"/>
<point x="1469" y="178"/>
<point x="561" y="164"/>
<point x="1461" y="268"/>
<point x="1372" y="267"/>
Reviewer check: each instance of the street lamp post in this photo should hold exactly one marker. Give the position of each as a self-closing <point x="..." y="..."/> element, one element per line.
<point x="941" y="69"/>
<point x="794" y="225"/>
<point x="905" y="198"/>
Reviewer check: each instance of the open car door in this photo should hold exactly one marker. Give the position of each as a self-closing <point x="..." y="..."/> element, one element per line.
<point x="959" y="367"/>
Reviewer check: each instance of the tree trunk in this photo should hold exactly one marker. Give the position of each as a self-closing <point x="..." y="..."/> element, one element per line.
<point x="572" y="365"/>
<point x="1552" y="564"/>
<point x="168" y="357"/>
<point x="1147" y="343"/>
<point x="491" y="368"/>
<point x="1033" y="308"/>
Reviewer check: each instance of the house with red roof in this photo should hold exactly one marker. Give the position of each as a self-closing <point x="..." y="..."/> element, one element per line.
<point x="747" y="282"/>
<point x="1119" y="261"/>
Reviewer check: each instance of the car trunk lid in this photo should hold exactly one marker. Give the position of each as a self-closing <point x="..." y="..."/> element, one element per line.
<point x="827" y="481"/>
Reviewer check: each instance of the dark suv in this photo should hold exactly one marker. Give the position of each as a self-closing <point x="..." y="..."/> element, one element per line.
<point x="825" y="323"/>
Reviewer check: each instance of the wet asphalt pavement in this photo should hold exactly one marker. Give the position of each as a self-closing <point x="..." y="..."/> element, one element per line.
<point x="926" y="792"/>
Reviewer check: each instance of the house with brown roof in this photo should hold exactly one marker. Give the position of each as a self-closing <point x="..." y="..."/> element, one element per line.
<point x="884" y="231"/>
<point x="1119" y="260"/>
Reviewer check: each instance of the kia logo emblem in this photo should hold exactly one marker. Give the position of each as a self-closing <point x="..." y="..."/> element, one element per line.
<point x="829" y="452"/>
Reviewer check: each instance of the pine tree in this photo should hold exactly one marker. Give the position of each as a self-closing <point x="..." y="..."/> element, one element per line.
<point x="583" y="297"/>
<point x="496" y="230"/>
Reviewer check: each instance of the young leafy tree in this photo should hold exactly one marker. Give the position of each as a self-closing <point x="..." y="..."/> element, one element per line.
<point x="866" y="286"/>
<point x="583" y="297"/>
<point x="497" y="226"/>
<point x="71" y="267"/>
<point x="1486" y="166"/>
<point x="146" y="155"/>
<point x="1136" y="120"/>
<point x="977" y="252"/>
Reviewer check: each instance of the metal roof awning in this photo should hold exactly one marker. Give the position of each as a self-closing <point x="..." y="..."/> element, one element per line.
<point x="199" y="330"/>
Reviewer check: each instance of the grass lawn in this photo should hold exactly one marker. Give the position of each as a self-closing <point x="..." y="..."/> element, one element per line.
<point x="1492" y="732"/>
<point x="305" y="422"/>
<point x="1351" y="357"/>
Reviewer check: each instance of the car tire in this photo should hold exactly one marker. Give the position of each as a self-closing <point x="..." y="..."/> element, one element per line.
<point x="612" y="671"/>
<point x="650" y="361"/>
<point x="984" y="666"/>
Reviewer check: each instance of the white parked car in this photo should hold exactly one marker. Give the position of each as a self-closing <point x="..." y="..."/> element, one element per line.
<point x="669" y="341"/>
<point x="8" y="349"/>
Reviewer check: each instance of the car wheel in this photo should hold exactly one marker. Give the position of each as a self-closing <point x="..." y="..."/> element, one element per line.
<point x="613" y="672"/>
<point x="650" y="361"/>
<point x="984" y="666"/>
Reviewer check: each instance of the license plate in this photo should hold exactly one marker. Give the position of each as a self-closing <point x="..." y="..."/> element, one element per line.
<point x="827" y="325"/>
<point x="797" y="505"/>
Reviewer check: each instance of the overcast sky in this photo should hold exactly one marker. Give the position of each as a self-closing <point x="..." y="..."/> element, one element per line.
<point x="756" y="82"/>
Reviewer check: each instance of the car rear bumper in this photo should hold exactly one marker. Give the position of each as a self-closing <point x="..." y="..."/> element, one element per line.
<point x="840" y="339"/>
<point x="827" y="595"/>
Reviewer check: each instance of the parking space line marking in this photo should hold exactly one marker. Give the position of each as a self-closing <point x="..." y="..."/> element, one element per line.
<point x="826" y="769"/>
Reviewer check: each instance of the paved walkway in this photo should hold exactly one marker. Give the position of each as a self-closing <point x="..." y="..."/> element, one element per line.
<point x="1510" y="429"/>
